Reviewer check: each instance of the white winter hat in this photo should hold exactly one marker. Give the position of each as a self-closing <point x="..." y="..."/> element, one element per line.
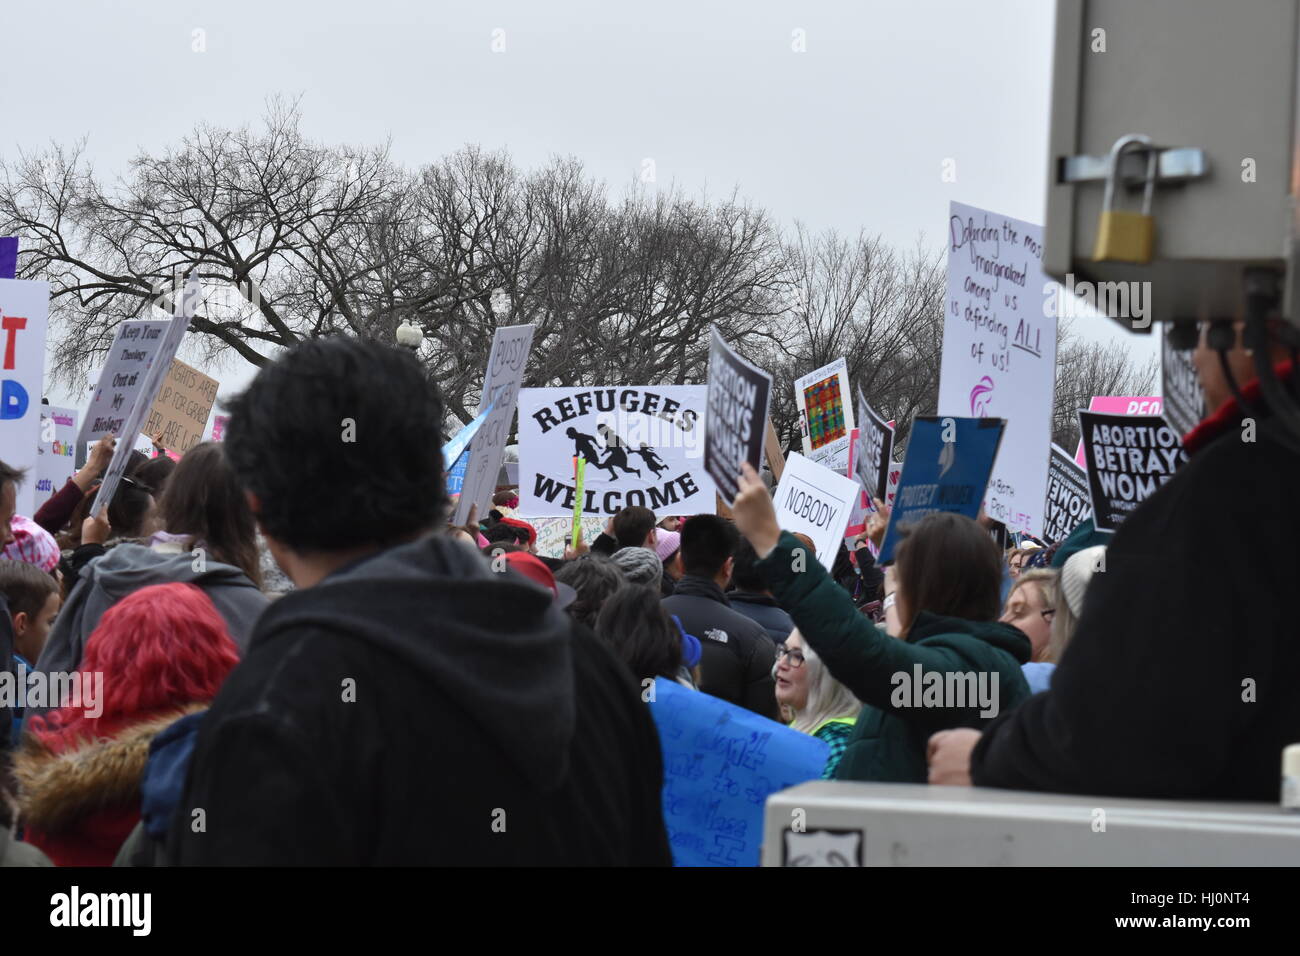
<point x="1077" y="572"/>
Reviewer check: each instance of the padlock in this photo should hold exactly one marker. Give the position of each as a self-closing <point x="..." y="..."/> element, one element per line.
<point x="1123" y="235"/>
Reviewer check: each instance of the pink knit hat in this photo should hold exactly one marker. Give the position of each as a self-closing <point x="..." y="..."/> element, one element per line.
<point x="666" y="542"/>
<point x="32" y="544"/>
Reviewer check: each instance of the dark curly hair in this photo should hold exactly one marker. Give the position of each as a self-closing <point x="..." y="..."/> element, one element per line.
<point x="341" y="440"/>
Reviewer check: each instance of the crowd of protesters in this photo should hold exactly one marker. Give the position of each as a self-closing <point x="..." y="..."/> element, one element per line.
<point x="287" y="656"/>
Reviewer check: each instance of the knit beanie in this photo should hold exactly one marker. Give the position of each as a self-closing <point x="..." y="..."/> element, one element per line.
<point x="667" y="543"/>
<point x="1077" y="572"/>
<point x="640" y="566"/>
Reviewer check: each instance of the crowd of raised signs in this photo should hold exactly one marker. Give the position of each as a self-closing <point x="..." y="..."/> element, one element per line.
<point x="278" y="650"/>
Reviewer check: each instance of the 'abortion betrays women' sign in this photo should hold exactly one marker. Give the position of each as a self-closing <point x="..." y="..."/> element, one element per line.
<point x="644" y="445"/>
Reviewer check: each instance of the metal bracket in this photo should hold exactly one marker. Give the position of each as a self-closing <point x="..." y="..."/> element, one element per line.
<point x="1175" y="165"/>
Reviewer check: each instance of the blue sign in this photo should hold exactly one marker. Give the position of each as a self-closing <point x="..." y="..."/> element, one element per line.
<point x="947" y="468"/>
<point x="721" y="763"/>
<point x="458" y="445"/>
<point x="456" y="474"/>
<point x="8" y="257"/>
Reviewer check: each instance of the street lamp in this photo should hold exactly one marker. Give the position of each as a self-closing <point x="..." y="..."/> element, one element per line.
<point x="410" y="336"/>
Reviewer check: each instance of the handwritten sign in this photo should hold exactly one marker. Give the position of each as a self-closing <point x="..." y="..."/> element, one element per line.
<point x="180" y="412"/>
<point x="23" y="321"/>
<point x="123" y="378"/>
<point x="501" y="381"/>
<point x="999" y="352"/>
<point x="721" y="763"/>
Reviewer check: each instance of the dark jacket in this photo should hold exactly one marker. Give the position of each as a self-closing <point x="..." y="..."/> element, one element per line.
<point x="414" y="709"/>
<point x="125" y="569"/>
<point x="1179" y="681"/>
<point x="889" y="738"/>
<point x="736" y="655"/>
<point x="764" y="611"/>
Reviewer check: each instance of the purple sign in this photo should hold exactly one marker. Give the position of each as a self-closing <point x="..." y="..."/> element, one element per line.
<point x="8" y="257"/>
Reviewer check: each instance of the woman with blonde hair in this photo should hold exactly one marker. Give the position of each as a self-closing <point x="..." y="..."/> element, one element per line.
<point x="822" y="706"/>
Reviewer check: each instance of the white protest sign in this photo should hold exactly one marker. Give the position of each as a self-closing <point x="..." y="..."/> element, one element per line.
<point x="157" y="369"/>
<point x="644" y="445"/>
<point x="24" y="311"/>
<point x="57" y="450"/>
<point x="505" y="373"/>
<point x="813" y="500"/>
<point x="999" y="353"/>
<point x="124" y="376"/>
<point x="826" y="415"/>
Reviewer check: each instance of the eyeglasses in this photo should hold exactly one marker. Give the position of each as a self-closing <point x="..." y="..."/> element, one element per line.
<point x="796" y="657"/>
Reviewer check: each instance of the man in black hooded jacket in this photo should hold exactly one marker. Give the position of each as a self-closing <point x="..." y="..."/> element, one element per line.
<point x="407" y="704"/>
<point x="1179" y="680"/>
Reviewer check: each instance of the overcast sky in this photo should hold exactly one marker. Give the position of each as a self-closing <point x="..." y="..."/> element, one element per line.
<point x="851" y="133"/>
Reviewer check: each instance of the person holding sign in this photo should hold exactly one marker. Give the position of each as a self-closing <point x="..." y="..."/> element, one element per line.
<point x="956" y="664"/>
<point x="1164" y="693"/>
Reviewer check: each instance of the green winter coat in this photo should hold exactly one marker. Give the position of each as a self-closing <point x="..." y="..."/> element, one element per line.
<point x="891" y="676"/>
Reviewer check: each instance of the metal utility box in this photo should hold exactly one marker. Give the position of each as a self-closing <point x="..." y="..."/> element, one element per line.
<point x="828" y="823"/>
<point x="1212" y="83"/>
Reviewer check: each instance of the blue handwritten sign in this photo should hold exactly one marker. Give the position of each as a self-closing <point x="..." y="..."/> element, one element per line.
<point x="721" y="763"/>
<point x="947" y="468"/>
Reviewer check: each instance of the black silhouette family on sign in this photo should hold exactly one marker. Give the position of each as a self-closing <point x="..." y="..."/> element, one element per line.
<point x="615" y="453"/>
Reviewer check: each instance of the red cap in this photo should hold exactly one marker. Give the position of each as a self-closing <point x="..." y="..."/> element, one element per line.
<point x="525" y="526"/>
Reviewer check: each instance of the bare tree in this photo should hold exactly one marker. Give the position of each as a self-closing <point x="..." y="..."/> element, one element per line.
<point x="1085" y="368"/>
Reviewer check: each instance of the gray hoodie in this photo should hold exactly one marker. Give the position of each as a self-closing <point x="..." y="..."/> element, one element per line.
<point x="127" y="568"/>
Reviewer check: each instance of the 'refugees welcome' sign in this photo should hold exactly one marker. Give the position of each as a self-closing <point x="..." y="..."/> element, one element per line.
<point x="644" y="445"/>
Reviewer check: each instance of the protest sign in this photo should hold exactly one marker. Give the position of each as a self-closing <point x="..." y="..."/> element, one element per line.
<point x="456" y="473"/>
<point x="180" y="412"/>
<point x="738" y="397"/>
<point x="1180" y="387"/>
<point x="948" y="464"/>
<point x="826" y="415"/>
<point x="721" y="763"/>
<point x="56" y="459"/>
<point x="146" y="389"/>
<point x="772" y="448"/>
<point x="505" y="373"/>
<point x="453" y="449"/>
<point x="872" y="450"/>
<point x="554" y="533"/>
<point x="219" y="423"/>
<point x="1120" y="405"/>
<point x="1068" y="501"/>
<point x="999" y="352"/>
<point x="129" y="360"/>
<point x="815" y="501"/>
<point x="644" y="445"/>
<point x="8" y="257"/>
<point x="23" y="320"/>
<point x="1129" y="457"/>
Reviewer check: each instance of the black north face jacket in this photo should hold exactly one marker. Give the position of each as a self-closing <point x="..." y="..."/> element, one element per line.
<point x="736" y="654"/>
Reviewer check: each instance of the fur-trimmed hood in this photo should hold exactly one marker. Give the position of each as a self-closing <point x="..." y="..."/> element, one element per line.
<point x="58" y="790"/>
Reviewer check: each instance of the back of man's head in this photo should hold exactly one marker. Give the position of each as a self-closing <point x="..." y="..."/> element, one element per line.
<point x="744" y="573"/>
<point x="632" y="525"/>
<point x="340" y="439"/>
<point x="707" y="542"/>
